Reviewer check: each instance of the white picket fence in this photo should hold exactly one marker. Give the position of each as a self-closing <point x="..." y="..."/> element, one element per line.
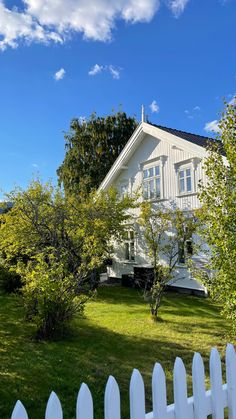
<point x="199" y="406"/>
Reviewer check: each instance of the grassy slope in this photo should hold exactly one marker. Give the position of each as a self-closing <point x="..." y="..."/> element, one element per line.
<point x="115" y="336"/>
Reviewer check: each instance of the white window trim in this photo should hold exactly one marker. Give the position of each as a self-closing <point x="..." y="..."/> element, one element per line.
<point x="184" y="169"/>
<point x="183" y="165"/>
<point x="159" y="161"/>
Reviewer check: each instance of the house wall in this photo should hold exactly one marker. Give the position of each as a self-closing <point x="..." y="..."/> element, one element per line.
<point x="171" y="158"/>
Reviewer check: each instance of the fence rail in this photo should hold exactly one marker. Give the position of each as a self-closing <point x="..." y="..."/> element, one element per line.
<point x="199" y="406"/>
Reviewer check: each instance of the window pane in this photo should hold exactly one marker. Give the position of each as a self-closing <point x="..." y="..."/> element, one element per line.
<point x="151" y="189"/>
<point x="127" y="251"/>
<point x="188" y="172"/>
<point x="181" y="185"/>
<point x="181" y="174"/>
<point x="157" y="170"/>
<point x="132" y="251"/>
<point x="189" y="184"/>
<point x="145" y="173"/>
<point x="131" y="235"/>
<point x="151" y="172"/>
<point x="158" y="187"/>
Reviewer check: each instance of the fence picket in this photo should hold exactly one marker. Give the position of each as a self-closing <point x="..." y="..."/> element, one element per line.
<point x="53" y="409"/>
<point x="137" y="396"/>
<point x="202" y="404"/>
<point x="199" y="389"/>
<point x="19" y="411"/>
<point x="112" y="399"/>
<point x="159" y="399"/>
<point x="216" y="385"/>
<point x="182" y="408"/>
<point x="231" y="380"/>
<point x="84" y="405"/>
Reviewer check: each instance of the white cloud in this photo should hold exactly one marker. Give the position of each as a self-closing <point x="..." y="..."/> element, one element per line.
<point x="15" y="26"/>
<point x="115" y="72"/>
<point x="57" y="20"/>
<point x="212" y="126"/>
<point x="35" y="165"/>
<point x="154" y="107"/>
<point x="196" y="108"/>
<point x="96" y="70"/>
<point x="177" y="6"/>
<point x="186" y="111"/>
<point x="45" y="20"/>
<point x="59" y="74"/>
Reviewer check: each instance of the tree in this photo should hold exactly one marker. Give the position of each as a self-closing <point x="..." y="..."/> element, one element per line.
<point x="167" y="231"/>
<point x="218" y="216"/>
<point x="54" y="243"/>
<point x="91" y="148"/>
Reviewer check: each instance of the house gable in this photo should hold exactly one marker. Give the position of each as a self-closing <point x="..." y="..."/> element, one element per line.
<point x="190" y="145"/>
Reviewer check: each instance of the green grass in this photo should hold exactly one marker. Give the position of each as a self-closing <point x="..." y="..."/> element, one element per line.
<point x="115" y="336"/>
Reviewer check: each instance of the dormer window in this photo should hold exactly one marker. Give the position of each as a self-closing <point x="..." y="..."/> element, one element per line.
<point x="151" y="182"/>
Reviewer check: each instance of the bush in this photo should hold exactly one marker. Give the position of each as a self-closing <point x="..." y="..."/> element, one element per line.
<point x="10" y="281"/>
<point x="49" y="297"/>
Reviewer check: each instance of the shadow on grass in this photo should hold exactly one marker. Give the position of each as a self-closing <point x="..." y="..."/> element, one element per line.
<point x="30" y="371"/>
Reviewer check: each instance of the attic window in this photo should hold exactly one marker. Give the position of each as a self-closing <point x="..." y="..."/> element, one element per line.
<point x="151" y="182"/>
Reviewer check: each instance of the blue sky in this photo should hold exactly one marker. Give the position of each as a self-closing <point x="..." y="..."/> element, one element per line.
<point x="177" y="55"/>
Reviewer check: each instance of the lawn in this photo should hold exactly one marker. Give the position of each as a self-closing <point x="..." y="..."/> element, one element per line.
<point x="115" y="336"/>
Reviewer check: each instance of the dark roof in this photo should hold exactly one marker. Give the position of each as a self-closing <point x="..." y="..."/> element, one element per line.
<point x="193" y="138"/>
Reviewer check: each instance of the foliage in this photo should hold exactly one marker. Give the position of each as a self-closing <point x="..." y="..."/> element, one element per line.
<point x="166" y="231"/>
<point x="92" y="146"/>
<point x="218" y="216"/>
<point x="55" y="244"/>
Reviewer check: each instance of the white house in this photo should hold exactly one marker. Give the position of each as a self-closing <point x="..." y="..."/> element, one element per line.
<point x="166" y="164"/>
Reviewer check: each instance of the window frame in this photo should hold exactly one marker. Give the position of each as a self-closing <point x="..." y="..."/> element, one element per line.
<point x="129" y="246"/>
<point x="154" y="178"/>
<point x="184" y="169"/>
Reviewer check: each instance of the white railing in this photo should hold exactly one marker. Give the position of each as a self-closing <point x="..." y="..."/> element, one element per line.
<point x="199" y="406"/>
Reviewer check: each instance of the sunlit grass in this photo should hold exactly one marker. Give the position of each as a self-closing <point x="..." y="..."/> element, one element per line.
<point x="115" y="336"/>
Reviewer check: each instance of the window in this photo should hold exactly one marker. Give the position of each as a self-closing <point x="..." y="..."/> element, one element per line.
<point x="151" y="182"/>
<point x="185" y="180"/>
<point x="129" y="246"/>
<point x="185" y="249"/>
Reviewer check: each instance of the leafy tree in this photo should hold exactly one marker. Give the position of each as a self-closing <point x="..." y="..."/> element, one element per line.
<point x="55" y="243"/>
<point x="166" y="233"/>
<point x="92" y="146"/>
<point x="218" y="216"/>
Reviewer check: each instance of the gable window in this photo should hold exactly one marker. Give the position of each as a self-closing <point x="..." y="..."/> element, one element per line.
<point x="129" y="246"/>
<point x="185" y="180"/>
<point x="151" y="182"/>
